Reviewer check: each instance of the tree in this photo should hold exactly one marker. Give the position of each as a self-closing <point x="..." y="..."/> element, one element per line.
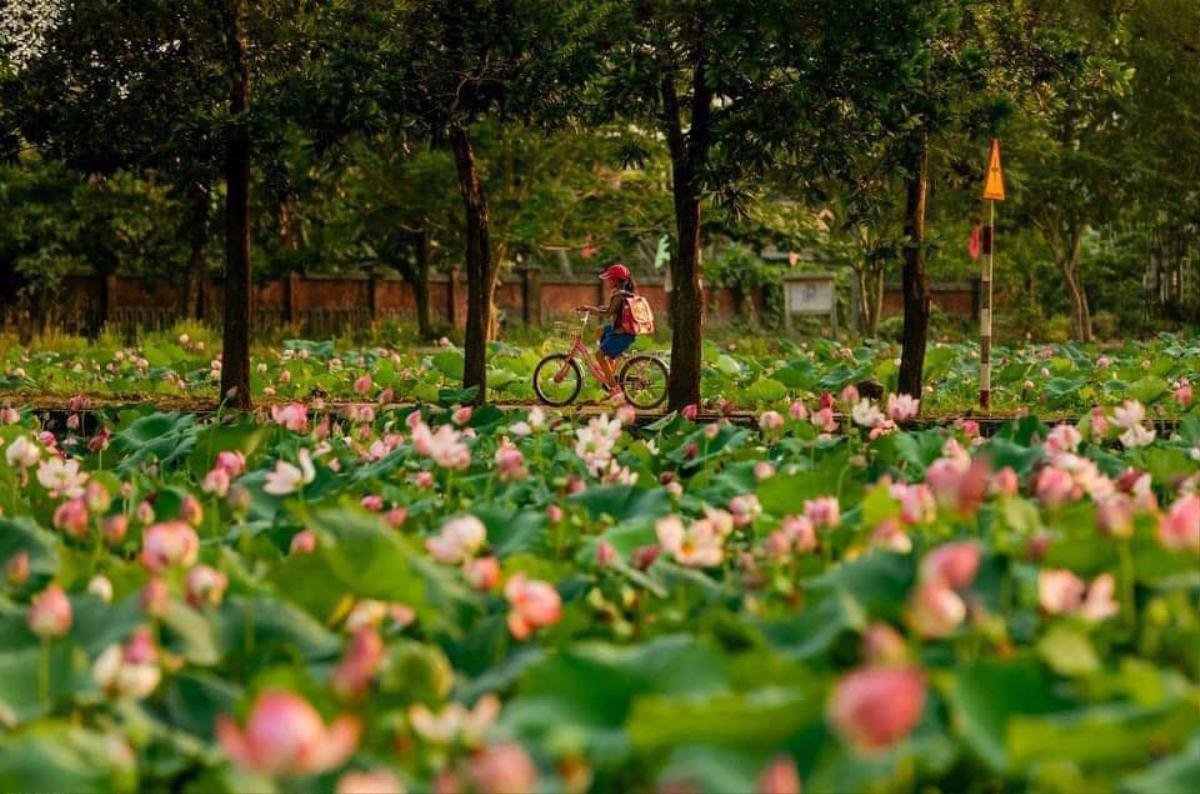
<point x="720" y="85"/>
<point x="1073" y="177"/>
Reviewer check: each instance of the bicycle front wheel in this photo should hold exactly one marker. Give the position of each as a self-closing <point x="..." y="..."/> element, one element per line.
<point x="644" y="382"/>
<point x="557" y="379"/>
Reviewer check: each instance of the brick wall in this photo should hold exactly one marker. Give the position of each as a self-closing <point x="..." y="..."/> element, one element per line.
<point x="320" y="304"/>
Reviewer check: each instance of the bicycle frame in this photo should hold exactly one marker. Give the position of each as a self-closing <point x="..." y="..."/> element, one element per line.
<point x="578" y="350"/>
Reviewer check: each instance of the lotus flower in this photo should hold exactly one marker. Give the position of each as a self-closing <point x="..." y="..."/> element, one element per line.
<point x="458" y="540"/>
<point x="377" y="781"/>
<point x="62" y="477"/>
<point x="168" y="544"/>
<point x="293" y="416"/>
<point x="1179" y="527"/>
<point x="285" y="736"/>
<point x="22" y="452"/>
<point x="287" y="478"/>
<point x="354" y="672"/>
<point x="503" y="769"/>
<point x="874" y="707"/>
<point x="824" y="512"/>
<point x="205" y="586"/>
<point x="50" y="613"/>
<point x="130" y="671"/>
<point x="780" y="777"/>
<point x="532" y="605"/>
<point x="770" y="421"/>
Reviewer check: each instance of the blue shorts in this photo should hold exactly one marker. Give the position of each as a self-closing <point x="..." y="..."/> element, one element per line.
<point x="614" y="344"/>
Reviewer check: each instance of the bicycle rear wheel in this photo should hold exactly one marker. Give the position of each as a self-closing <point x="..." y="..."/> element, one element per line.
<point x="643" y="380"/>
<point x="557" y="379"/>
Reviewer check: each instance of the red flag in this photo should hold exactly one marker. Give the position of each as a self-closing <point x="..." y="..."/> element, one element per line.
<point x="975" y="246"/>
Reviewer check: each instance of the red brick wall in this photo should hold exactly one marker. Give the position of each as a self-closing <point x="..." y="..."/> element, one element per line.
<point x="320" y="301"/>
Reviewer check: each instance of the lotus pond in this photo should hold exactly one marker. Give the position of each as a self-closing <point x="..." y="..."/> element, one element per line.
<point x="493" y="600"/>
<point x="182" y="368"/>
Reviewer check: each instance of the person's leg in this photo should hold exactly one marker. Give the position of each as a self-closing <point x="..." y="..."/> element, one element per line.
<point x="606" y="366"/>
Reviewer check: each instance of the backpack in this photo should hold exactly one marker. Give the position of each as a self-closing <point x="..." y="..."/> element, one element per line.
<point x="637" y="318"/>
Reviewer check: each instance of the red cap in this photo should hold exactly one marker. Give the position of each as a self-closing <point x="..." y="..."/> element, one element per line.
<point x="615" y="272"/>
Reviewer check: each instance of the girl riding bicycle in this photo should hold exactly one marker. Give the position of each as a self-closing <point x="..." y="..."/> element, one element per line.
<point x="613" y="341"/>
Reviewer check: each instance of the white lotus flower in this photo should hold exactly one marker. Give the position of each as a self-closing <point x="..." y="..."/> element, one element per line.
<point x="288" y="478"/>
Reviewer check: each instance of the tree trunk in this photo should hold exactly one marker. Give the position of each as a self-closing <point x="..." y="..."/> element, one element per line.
<point x="915" y="282"/>
<point x="420" y="284"/>
<point x="876" y="301"/>
<point x="687" y="300"/>
<point x="1081" y="315"/>
<point x="197" y="267"/>
<point x="479" y="264"/>
<point x="235" y="369"/>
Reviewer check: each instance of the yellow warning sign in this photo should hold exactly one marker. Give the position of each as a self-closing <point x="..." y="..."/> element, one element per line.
<point x="993" y="182"/>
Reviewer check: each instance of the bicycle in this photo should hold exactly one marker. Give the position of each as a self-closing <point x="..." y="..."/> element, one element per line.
<point x="558" y="379"/>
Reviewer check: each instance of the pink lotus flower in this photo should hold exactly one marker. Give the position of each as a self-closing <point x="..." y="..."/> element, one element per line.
<point x="1098" y="422"/>
<point x="917" y="505"/>
<point x="770" y="421"/>
<point x="72" y="517"/>
<point x="231" y="462"/>
<point x="850" y="394"/>
<point x="690" y="412"/>
<point x="801" y="533"/>
<point x="191" y="511"/>
<point x="763" y="471"/>
<point x="533" y="605"/>
<point x="700" y="545"/>
<point x="131" y="671"/>
<point x="952" y="564"/>
<point x="16" y="569"/>
<point x="462" y="415"/>
<point x="293" y="416"/>
<point x="780" y="777"/>
<point x="798" y="411"/>
<point x="1129" y="415"/>
<point x="1055" y="487"/>
<point x="1063" y="438"/>
<point x="824" y="511"/>
<point x="883" y="645"/>
<point x="958" y="484"/>
<point x="377" y="781"/>
<point x="872" y="708"/>
<point x="354" y="672"/>
<point x="1114" y="515"/>
<point x="458" y="540"/>
<point x="554" y="513"/>
<point x="889" y="534"/>
<point x="303" y="542"/>
<point x="396" y="517"/>
<point x="114" y="528"/>
<point x="1060" y="592"/>
<point x="363" y="384"/>
<point x="1099" y="604"/>
<point x="1179" y="527"/>
<point x="1004" y="483"/>
<point x="902" y="407"/>
<point x="168" y="544"/>
<point x="205" y="586"/>
<point x="99" y="442"/>
<point x="1183" y="394"/>
<point x="744" y="508"/>
<point x="606" y="555"/>
<point x="155" y="598"/>
<point x="626" y="414"/>
<point x="510" y="464"/>
<point x="423" y="479"/>
<point x="216" y="482"/>
<point x="936" y="610"/>
<point x="372" y="502"/>
<point x="50" y="613"/>
<point x="503" y="769"/>
<point x="483" y="574"/>
<point x="286" y="736"/>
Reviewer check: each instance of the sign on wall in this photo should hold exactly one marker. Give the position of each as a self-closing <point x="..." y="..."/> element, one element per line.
<point x="810" y="294"/>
